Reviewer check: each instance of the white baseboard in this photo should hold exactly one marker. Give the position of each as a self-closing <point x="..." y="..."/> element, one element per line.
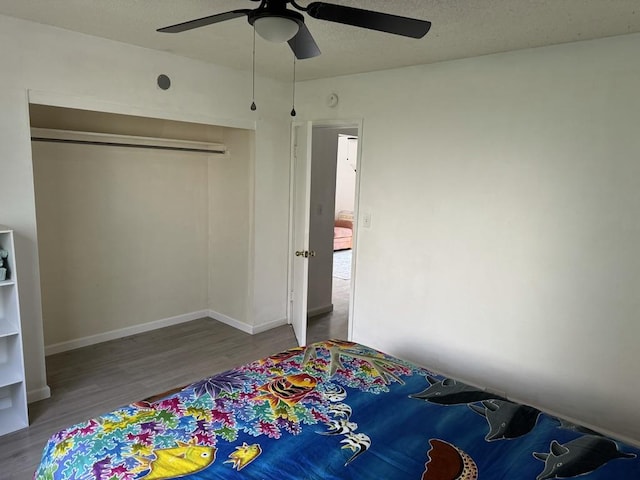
<point x="232" y="322"/>
<point x="250" y="329"/>
<point x="122" y="332"/>
<point x="269" y="325"/>
<point x="38" y="394"/>
<point x="146" y="327"/>
<point x="320" y="310"/>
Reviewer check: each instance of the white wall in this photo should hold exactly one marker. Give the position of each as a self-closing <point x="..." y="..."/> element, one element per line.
<point x="230" y="197"/>
<point x="122" y="234"/>
<point x="269" y="239"/>
<point x="505" y="221"/>
<point x="57" y="67"/>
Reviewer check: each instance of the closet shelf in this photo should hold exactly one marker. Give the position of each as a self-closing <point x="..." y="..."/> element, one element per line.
<point x="118" y="140"/>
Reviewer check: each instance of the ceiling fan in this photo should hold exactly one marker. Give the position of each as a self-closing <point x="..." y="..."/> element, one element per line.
<point x="275" y="22"/>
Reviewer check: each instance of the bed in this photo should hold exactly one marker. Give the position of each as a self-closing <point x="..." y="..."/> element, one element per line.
<point x="332" y="410"/>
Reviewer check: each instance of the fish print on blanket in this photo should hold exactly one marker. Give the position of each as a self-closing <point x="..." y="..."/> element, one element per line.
<point x="289" y="390"/>
<point x="358" y="443"/>
<point x="244" y="455"/>
<point x="334" y="393"/>
<point x="340" y="410"/>
<point x="506" y="419"/>
<point x="184" y="459"/>
<point x="339" y="426"/>
<point x="448" y="462"/>
<point x="578" y="457"/>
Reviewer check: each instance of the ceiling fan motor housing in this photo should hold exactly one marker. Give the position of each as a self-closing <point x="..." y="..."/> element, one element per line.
<point x="274" y="22"/>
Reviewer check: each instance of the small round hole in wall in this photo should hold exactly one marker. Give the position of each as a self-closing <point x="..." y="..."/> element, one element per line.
<point x="164" y="82"/>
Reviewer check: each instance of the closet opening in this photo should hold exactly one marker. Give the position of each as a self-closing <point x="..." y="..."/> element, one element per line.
<point x="142" y="223"/>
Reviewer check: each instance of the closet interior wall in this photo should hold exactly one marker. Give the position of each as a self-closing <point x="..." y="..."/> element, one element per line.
<point x="124" y="234"/>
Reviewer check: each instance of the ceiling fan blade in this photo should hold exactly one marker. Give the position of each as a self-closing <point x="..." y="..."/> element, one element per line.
<point x="303" y="44"/>
<point x="201" y="22"/>
<point x="383" y="22"/>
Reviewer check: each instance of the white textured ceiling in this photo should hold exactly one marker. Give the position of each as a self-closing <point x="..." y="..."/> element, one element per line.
<point x="461" y="28"/>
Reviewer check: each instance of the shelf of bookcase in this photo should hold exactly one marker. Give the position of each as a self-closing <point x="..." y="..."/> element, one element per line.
<point x="13" y="396"/>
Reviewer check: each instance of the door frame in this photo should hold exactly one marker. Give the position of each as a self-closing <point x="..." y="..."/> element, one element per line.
<point x="357" y="123"/>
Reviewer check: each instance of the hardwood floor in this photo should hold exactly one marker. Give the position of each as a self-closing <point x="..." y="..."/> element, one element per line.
<point x="333" y="324"/>
<point x="93" y="380"/>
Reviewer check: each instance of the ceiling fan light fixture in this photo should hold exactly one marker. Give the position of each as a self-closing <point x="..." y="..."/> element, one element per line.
<point x="275" y="28"/>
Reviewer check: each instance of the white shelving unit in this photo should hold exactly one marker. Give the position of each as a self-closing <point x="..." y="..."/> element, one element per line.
<point x="13" y="395"/>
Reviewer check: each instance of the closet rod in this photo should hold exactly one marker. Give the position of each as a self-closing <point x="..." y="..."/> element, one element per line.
<point x="122" y="144"/>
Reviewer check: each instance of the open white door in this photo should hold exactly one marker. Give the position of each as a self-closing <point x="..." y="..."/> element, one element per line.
<point x="299" y="247"/>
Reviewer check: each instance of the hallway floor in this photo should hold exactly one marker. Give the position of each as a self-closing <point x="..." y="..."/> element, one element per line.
<point x="334" y="324"/>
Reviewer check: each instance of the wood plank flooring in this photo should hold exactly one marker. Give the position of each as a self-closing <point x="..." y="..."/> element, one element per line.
<point x="333" y="324"/>
<point x="93" y="380"/>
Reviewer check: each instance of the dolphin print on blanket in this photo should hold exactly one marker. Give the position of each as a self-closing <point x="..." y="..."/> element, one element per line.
<point x="578" y="457"/>
<point x="506" y="419"/>
<point x="448" y="391"/>
<point x="333" y="410"/>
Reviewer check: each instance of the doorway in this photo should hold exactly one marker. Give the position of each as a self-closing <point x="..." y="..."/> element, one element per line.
<point x="331" y="231"/>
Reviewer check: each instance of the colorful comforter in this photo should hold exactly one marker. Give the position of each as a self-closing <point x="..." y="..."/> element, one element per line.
<point x="332" y="410"/>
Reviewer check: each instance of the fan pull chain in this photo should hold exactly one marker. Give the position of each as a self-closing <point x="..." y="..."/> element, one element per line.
<point x="293" y="101"/>
<point x="253" y="74"/>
